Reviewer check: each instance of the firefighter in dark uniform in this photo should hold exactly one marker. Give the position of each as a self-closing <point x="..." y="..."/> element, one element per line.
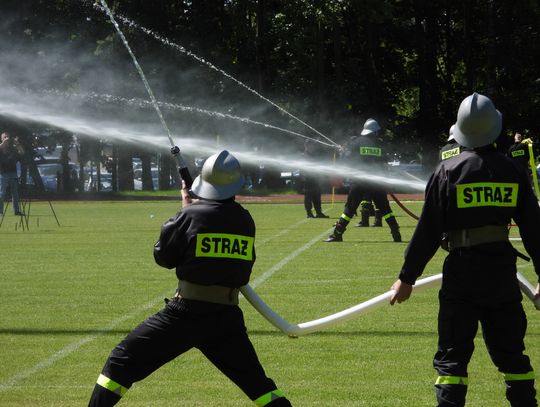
<point x="211" y="245"/>
<point x="471" y="199"/>
<point x="519" y="151"/>
<point x="367" y="149"/>
<point x="451" y="148"/>
<point x="311" y="183"/>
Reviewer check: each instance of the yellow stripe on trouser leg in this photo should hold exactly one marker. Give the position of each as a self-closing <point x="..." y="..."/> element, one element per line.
<point x="513" y="377"/>
<point x="452" y="380"/>
<point x="111" y="385"/>
<point x="347" y="218"/>
<point x="268" y="397"/>
<point x="388" y="216"/>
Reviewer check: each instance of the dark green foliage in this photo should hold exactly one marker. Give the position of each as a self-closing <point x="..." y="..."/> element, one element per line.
<point x="332" y="63"/>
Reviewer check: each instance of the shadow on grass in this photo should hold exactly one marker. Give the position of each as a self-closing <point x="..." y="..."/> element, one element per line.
<point x="348" y="334"/>
<point x="48" y="331"/>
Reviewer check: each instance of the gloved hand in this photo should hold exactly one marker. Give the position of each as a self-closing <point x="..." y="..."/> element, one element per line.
<point x="175" y="150"/>
<point x="527" y="141"/>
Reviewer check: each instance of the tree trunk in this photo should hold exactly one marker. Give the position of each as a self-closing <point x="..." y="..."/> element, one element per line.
<point x="260" y="50"/>
<point x="125" y="169"/>
<point x="491" y="50"/>
<point x="146" y="167"/>
<point x="338" y="57"/>
<point x="319" y="68"/>
<point x="426" y="39"/>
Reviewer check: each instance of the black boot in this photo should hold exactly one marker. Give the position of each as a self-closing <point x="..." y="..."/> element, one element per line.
<point x="394" y="229"/>
<point x="378" y="219"/>
<point x="337" y="234"/>
<point x="320" y="214"/>
<point x="101" y="397"/>
<point x="364" y="219"/>
<point x="310" y="214"/>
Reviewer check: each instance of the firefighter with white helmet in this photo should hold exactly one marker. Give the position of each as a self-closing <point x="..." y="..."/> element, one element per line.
<point x="519" y="150"/>
<point x="451" y="148"/>
<point x="210" y="243"/>
<point x="367" y="151"/>
<point x="470" y="199"/>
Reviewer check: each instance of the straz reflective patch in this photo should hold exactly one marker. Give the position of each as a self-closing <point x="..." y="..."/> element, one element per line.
<point x="518" y="153"/>
<point x="486" y="194"/>
<point x="450" y="153"/>
<point x="373" y="151"/>
<point x="224" y="245"/>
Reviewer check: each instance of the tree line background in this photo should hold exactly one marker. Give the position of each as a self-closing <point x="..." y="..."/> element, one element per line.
<point x="408" y="63"/>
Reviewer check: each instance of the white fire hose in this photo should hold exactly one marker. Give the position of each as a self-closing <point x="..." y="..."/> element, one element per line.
<point x="304" y="328"/>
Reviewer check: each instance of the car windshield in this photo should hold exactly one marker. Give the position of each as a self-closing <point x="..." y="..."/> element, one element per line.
<point x="49" y="169"/>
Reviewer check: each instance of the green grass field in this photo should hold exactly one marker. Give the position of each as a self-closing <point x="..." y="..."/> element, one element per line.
<point x="69" y="294"/>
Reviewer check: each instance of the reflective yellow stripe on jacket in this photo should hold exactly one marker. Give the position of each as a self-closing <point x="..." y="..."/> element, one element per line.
<point x="480" y="194"/>
<point x="224" y="245"/>
<point x="445" y="155"/>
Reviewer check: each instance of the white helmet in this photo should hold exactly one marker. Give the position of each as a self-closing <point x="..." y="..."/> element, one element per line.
<point x="370" y="126"/>
<point x="220" y="178"/>
<point x="451" y="132"/>
<point x="478" y="122"/>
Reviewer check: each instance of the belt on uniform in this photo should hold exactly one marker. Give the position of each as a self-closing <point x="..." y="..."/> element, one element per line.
<point x="209" y="293"/>
<point x="475" y="236"/>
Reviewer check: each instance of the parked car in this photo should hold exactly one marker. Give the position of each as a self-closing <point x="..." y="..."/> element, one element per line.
<point x="50" y="173"/>
<point x="105" y="181"/>
<point x="137" y="181"/>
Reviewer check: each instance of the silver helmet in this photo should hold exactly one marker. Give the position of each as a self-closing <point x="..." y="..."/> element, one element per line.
<point x="220" y="178"/>
<point x="370" y="126"/>
<point x="451" y="132"/>
<point x="478" y="122"/>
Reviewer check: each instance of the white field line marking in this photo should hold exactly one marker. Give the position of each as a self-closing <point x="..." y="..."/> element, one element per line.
<point x="268" y="273"/>
<point x="69" y="349"/>
<point x="282" y="232"/>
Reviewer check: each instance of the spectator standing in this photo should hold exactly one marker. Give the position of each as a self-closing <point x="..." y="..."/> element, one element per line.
<point x="10" y="153"/>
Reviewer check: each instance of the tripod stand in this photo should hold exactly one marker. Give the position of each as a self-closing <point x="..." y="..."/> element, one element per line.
<point x="26" y="207"/>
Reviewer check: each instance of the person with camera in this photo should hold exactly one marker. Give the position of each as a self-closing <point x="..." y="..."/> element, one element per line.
<point x="10" y="152"/>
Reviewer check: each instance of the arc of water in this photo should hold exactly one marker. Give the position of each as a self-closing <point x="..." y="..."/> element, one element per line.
<point x="175" y="106"/>
<point x="182" y="166"/>
<point x="182" y="49"/>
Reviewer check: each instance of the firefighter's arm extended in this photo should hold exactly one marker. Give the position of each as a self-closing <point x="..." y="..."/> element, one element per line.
<point x="402" y="292"/>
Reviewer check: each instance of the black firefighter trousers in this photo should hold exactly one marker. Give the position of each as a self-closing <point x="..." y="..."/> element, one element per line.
<point x="218" y="331"/>
<point x="482" y="287"/>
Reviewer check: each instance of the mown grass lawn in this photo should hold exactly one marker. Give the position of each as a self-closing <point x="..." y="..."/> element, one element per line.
<point x="69" y="294"/>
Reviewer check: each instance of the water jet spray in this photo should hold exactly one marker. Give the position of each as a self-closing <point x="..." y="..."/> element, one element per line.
<point x="182" y="166"/>
<point x="166" y="41"/>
